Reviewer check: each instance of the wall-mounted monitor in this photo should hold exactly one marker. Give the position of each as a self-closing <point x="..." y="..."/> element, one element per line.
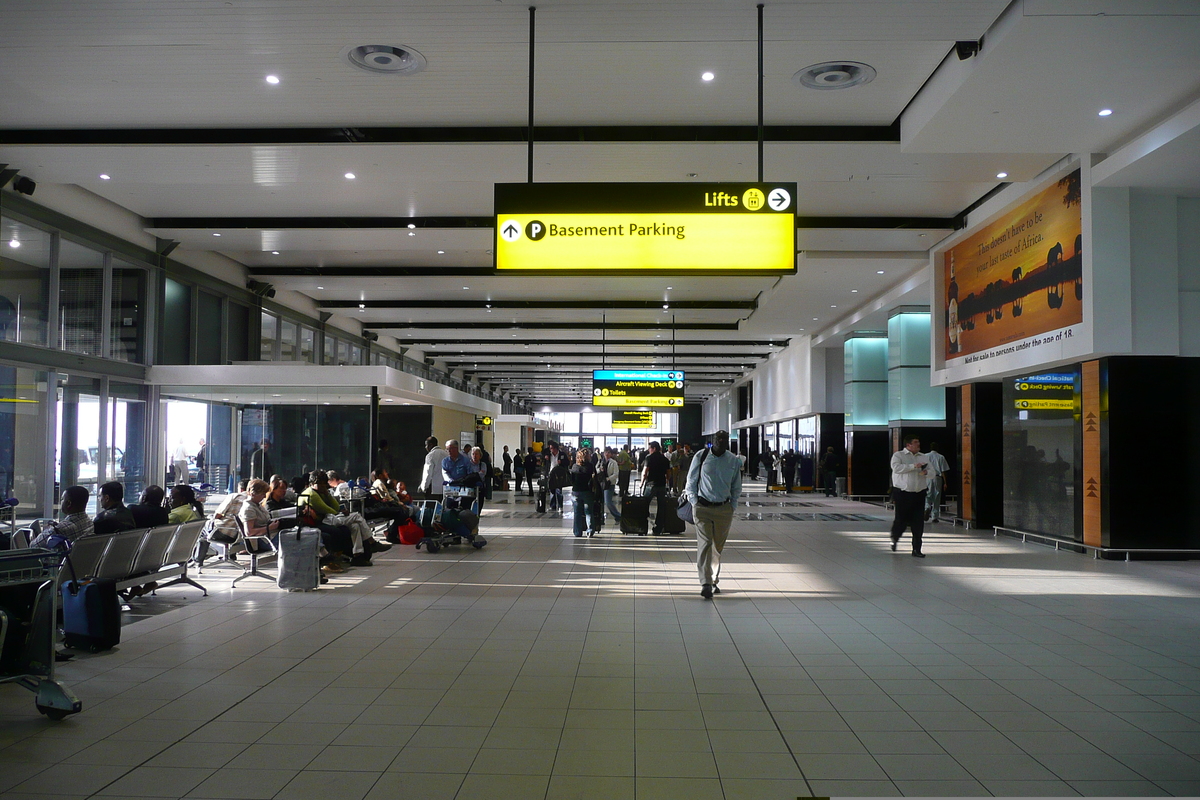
<point x="634" y="419"/>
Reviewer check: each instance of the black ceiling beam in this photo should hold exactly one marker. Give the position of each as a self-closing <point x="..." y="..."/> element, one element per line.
<point x="516" y="356"/>
<point x="397" y="223"/>
<point x="476" y="342"/>
<point x="533" y="305"/>
<point x="565" y="326"/>
<point x="479" y="134"/>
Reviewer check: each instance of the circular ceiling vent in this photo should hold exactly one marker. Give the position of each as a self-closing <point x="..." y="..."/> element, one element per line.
<point x="385" y="59"/>
<point x="835" y="75"/>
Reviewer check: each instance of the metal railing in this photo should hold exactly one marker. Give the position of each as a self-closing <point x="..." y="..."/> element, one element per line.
<point x="1061" y="542"/>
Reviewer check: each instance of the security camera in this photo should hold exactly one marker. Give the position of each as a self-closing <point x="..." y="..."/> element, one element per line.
<point x="371" y="336"/>
<point x="966" y="49"/>
<point x="261" y="289"/>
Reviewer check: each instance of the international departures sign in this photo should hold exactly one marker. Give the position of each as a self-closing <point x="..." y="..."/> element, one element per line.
<point x="646" y="227"/>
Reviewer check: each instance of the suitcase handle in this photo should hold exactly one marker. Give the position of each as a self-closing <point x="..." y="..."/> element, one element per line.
<point x="73" y="584"/>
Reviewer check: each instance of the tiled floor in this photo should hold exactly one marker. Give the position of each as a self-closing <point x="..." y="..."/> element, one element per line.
<point x="546" y="666"/>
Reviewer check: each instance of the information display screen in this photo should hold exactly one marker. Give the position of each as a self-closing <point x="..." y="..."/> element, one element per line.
<point x="646" y="227"/>
<point x="637" y="388"/>
<point x="635" y="419"/>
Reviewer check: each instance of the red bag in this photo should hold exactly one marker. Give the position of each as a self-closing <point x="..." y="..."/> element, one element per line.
<point x="410" y="532"/>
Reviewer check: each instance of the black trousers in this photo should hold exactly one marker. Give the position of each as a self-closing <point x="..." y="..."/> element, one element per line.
<point x="910" y="512"/>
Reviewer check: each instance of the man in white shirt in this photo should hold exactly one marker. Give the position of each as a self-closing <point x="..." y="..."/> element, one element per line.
<point x="910" y="470"/>
<point x="713" y="485"/>
<point x="938" y="467"/>
<point x="431" y="474"/>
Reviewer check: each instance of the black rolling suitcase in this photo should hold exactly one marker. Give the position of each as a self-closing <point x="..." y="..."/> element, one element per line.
<point x="668" y="517"/>
<point x="635" y="515"/>
<point x="541" y="496"/>
<point x="91" y="615"/>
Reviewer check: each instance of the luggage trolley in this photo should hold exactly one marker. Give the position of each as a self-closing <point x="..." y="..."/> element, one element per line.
<point x="28" y="621"/>
<point x="439" y="530"/>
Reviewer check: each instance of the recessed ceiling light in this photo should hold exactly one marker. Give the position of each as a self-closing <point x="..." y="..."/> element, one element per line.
<point x="441" y="252"/>
<point x="320" y="287"/>
<point x="410" y="233"/>
<point x="833" y="306"/>
<point x="361" y="306"/>
<point x="274" y="252"/>
<point x="1001" y="174"/>
<point x="665" y="306"/>
<point x="1105" y="112"/>
<point x="13" y="243"/>
<point x="273" y="79"/>
<point x="411" y="225"/>
<point x="707" y="76"/>
<point x="350" y="176"/>
<point x="814" y="319"/>
<point x="466" y="287"/>
<point x="852" y="291"/>
<point x="104" y="176"/>
<point x="878" y="272"/>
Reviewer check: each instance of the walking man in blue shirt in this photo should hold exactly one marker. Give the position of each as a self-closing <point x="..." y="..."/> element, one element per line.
<point x="714" y="483"/>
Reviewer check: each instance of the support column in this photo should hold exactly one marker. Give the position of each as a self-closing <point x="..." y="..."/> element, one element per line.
<point x="866" y="387"/>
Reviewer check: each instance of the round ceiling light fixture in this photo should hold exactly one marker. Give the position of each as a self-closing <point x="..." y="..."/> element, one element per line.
<point x="385" y="59"/>
<point x="835" y="75"/>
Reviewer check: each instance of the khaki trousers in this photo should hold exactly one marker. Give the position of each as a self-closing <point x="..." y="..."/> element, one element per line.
<point x="712" y="528"/>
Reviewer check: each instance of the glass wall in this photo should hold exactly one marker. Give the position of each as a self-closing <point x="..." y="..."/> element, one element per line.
<point x="257" y="432"/>
<point x="269" y="335"/>
<point x="77" y="442"/>
<point x="1042" y="434"/>
<point x="208" y="328"/>
<point x="24" y="282"/>
<point x="23" y="427"/>
<point x="126" y="427"/>
<point x="80" y="297"/>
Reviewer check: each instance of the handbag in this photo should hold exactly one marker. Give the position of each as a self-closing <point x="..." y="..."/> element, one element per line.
<point x="685" y="511"/>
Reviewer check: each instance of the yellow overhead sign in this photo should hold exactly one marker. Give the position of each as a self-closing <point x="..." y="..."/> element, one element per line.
<point x="645" y="227"/>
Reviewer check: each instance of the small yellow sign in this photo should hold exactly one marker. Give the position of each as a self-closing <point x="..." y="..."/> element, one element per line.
<point x="649" y="241"/>
<point x="1042" y="404"/>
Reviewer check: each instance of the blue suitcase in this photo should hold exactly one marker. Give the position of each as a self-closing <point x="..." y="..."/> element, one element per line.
<point x="91" y="615"/>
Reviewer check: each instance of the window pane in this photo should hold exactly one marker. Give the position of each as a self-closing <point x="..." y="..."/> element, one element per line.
<point x="78" y="440"/>
<point x="331" y="344"/>
<point x="239" y="332"/>
<point x="177" y="323"/>
<point x="208" y="329"/>
<point x="126" y="429"/>
<point x="23" y="412"/>
<point x="355" y="354"/>
<point x="128" y="300"/>
<point x="288" y="336"/>
<point x="24" y="283"/>
<point x="270" y="330"/>
<point x="343" y="353"/>
<point x="81" y="279"/>
<point x="307" y="337"/>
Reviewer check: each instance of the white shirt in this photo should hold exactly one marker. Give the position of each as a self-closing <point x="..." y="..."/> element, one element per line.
<point x="906" y="471"/>
<point x="431" y="474"/>
<point x="938" y="465"/>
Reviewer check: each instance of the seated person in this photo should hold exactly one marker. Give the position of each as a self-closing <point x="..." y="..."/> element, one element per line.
<point x="276" y="499"/>
<point x="340" y="488"/>
<point x="149" y="512"/>
<point x="183" y="505"/>
<point x="342" y="537"/>
<point x="388" y="505"/>
<point x="402" y="492"/>
<point x="256" y="519"/>
<point x="114" y="516"/>
<point x="74" y="524"/>
<point x="223" y="518"/>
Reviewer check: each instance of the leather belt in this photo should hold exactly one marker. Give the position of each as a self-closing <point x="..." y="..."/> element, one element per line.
<point x="704" y="502"/>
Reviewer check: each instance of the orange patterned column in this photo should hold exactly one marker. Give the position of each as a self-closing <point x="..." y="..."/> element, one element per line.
<point x="1092" y="484"/>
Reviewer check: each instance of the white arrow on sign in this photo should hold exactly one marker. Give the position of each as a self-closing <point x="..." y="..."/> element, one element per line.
<point x="778" y="199"/>
<point x="510" y="231"/>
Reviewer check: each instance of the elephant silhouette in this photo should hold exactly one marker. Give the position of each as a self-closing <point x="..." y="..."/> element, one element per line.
<point x="1018" y="305"/>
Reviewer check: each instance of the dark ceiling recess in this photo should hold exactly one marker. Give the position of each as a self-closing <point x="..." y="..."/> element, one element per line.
<point x="476" y="342"/>
<point x="565" y="326"/>
<point x="396" y="223"/>
<point x="451" y="135"/>
<point x="597" y="303"/>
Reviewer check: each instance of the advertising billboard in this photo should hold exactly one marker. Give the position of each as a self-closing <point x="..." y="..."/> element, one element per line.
<point x="1017" y="283"/>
